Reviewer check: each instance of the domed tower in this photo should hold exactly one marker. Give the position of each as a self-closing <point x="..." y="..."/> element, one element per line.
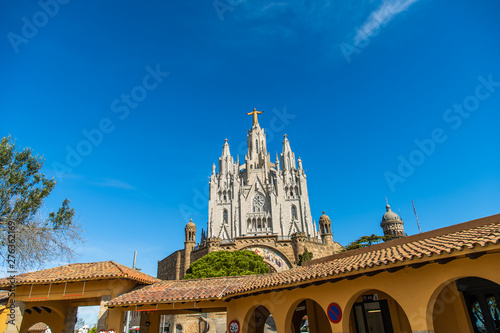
<point x="392" y="224"/>
<point x="189" y="243"/>
<point x="325" y="227"/>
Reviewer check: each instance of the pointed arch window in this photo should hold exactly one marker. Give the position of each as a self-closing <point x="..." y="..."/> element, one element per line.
<point x="294" y="213"/>
<point x="224" y="216"/>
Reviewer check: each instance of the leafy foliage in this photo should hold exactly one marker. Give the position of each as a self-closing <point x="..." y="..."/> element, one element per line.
<point x="306" y="256"/>
<point x="23" y="189"/>
<point x="225" y="263"/>
<point x="365" y="241"/>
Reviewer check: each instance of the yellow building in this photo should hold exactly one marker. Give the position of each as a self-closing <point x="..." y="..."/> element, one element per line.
<point x="446" y="280"/>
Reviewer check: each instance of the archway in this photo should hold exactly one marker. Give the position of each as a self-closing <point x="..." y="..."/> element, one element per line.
<point x="470" y="303"/>
<point x="375" y="311"/>
<point x="276" y="260"/>
<point x="260" y="320"/>
<point x="308" y="317"/>
<point x="42" y="314"/>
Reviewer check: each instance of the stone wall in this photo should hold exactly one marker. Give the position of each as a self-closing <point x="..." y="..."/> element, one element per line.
<point x="194" y="323"/>
<point x="172" y="267"/>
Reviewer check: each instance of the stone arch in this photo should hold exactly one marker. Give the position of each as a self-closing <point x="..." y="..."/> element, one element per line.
<point x="307" y="309"/>
<point x="447" y="300"/>
<point x="259" y="320"/>
<point x="273" y="257"/>
<point x="381" y="301"/>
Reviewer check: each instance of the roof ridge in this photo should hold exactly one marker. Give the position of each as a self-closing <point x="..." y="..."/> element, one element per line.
<point x="452" y="229"/>
<point x="117" y="265"/>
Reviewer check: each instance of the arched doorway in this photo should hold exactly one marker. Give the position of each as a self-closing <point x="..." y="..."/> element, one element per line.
<point x="261" y="321"/>
<point x="374" y="311"/>
<point x="470" y="302"/>
<point x="309" y="317"/>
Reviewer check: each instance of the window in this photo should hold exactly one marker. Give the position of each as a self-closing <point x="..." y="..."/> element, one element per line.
<point x="224" y="216"/>
<point x="294" y="213"/>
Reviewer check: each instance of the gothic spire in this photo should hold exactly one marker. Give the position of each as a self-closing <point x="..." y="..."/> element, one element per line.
<point x="225" y="161"/>
<point x="287" y="156"/>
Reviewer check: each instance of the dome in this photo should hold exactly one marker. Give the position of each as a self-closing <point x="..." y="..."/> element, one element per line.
<point x="324" y="218"/>
<point x="389" y="215"/>
<point x="191" y="224"/>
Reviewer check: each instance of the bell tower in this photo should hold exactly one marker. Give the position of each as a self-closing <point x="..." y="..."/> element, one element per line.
<point x="325" y="227"/>
<point x="189" y="243"/>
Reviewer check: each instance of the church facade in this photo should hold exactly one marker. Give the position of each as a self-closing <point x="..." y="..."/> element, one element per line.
<point x="258" y="205"/>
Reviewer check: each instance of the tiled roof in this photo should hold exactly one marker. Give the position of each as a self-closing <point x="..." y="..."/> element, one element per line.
<point x="396" y="253"/>
<point x="81" y="272"/>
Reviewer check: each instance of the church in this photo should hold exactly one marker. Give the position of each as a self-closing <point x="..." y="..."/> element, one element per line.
<point x="257" y="205"/>
<point x="443" y="280"/>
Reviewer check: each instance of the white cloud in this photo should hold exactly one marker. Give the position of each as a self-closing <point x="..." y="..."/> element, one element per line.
<point x="381" y="17"/>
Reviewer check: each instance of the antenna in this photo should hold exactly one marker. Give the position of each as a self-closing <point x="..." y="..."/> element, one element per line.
<point x="416" y="216"/>
<point x="386" y="201"/>
<point x="127" y="317"/>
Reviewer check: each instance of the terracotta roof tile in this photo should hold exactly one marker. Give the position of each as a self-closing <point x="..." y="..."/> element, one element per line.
<point x="426" y="246"/>
<point x="81" y="272"/>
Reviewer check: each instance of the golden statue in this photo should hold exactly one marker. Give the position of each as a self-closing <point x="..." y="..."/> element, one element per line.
<point x="255" y="113"/>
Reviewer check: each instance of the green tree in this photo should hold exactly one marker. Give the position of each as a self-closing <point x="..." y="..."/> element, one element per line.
<point x="306" y="256"/>
<point x="79" y="323"/>
<point x="365" y="241"/>
<point x="27" y="238"/>
<point x="225" y="263"/>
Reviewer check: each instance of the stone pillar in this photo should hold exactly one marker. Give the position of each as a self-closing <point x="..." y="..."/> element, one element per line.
<point x="70" y="319"/>
<point x="15" y="311"/>
<point x="178" y="266"/>
<point x="103" y="313"/>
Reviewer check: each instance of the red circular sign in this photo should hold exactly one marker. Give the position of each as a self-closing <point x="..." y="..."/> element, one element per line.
<point x="234" y="327"/>
<point x="334" y="313"/>
<point x="111" y="331"/>
<point x="102" y="331"/>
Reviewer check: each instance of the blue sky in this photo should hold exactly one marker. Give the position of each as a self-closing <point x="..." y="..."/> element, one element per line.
<point x="362" y="88"/>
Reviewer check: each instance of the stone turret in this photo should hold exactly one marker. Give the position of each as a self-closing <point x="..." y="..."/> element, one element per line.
<point x="299" y="243"/>
<point x="325" y="227"/>
<point x="392" y="224"/>
<point x="189" y="243"/>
